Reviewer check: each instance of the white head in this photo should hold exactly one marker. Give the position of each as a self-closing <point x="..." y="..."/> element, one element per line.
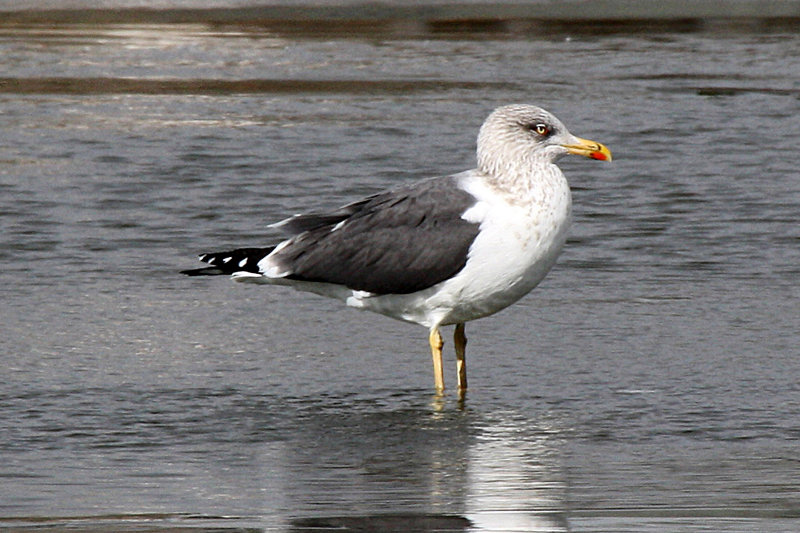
<point x="515" y="139"/>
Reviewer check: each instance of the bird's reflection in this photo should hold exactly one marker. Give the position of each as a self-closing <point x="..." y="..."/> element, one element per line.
<point x="440" y="466"/>
<point x="441" y="400"/>
<point x="514" y="477"/>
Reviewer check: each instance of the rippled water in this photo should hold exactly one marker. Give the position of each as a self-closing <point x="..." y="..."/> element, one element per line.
<point x="649" y="384"/>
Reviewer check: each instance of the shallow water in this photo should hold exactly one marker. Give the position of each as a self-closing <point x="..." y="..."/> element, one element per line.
<point x="649" y="384"/>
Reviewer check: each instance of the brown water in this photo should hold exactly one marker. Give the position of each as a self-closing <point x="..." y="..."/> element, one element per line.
<point x="649" y="384"/>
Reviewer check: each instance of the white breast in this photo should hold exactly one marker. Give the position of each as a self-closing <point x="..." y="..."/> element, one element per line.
<point x="516" y="247"/>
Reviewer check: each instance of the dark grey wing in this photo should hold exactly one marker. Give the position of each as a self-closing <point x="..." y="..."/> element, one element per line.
<point x="397" y="242"/>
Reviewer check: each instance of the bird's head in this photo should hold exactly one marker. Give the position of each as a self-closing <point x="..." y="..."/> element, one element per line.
<point x="524" y="135"/>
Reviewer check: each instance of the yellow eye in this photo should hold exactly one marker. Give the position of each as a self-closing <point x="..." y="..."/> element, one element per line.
<point x="541" y="129"/>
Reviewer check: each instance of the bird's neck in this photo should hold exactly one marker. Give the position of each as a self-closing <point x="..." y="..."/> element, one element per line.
<point x="527" y="181"/>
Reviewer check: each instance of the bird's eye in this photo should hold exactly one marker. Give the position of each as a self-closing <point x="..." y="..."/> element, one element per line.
<point x="541" y="129"/>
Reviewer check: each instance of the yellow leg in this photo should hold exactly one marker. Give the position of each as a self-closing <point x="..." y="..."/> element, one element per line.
<point x="436" y="343"/>
<point x="460" y="341"/>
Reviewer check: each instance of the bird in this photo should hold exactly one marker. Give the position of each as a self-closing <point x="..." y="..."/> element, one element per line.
<point x="441" y="251"/>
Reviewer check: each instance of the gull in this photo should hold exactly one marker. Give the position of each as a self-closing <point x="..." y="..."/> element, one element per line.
<point x="441" y="251"/>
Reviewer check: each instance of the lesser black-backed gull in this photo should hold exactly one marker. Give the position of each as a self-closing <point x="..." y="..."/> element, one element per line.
<point x="441" y="251"/>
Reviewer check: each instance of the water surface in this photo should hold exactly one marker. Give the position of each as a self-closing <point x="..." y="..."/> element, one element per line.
<point x="649" y="384"/>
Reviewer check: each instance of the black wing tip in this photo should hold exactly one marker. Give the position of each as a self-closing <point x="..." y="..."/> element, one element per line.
<point x="226" y="263"/>
<point x="202" y="272"/>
